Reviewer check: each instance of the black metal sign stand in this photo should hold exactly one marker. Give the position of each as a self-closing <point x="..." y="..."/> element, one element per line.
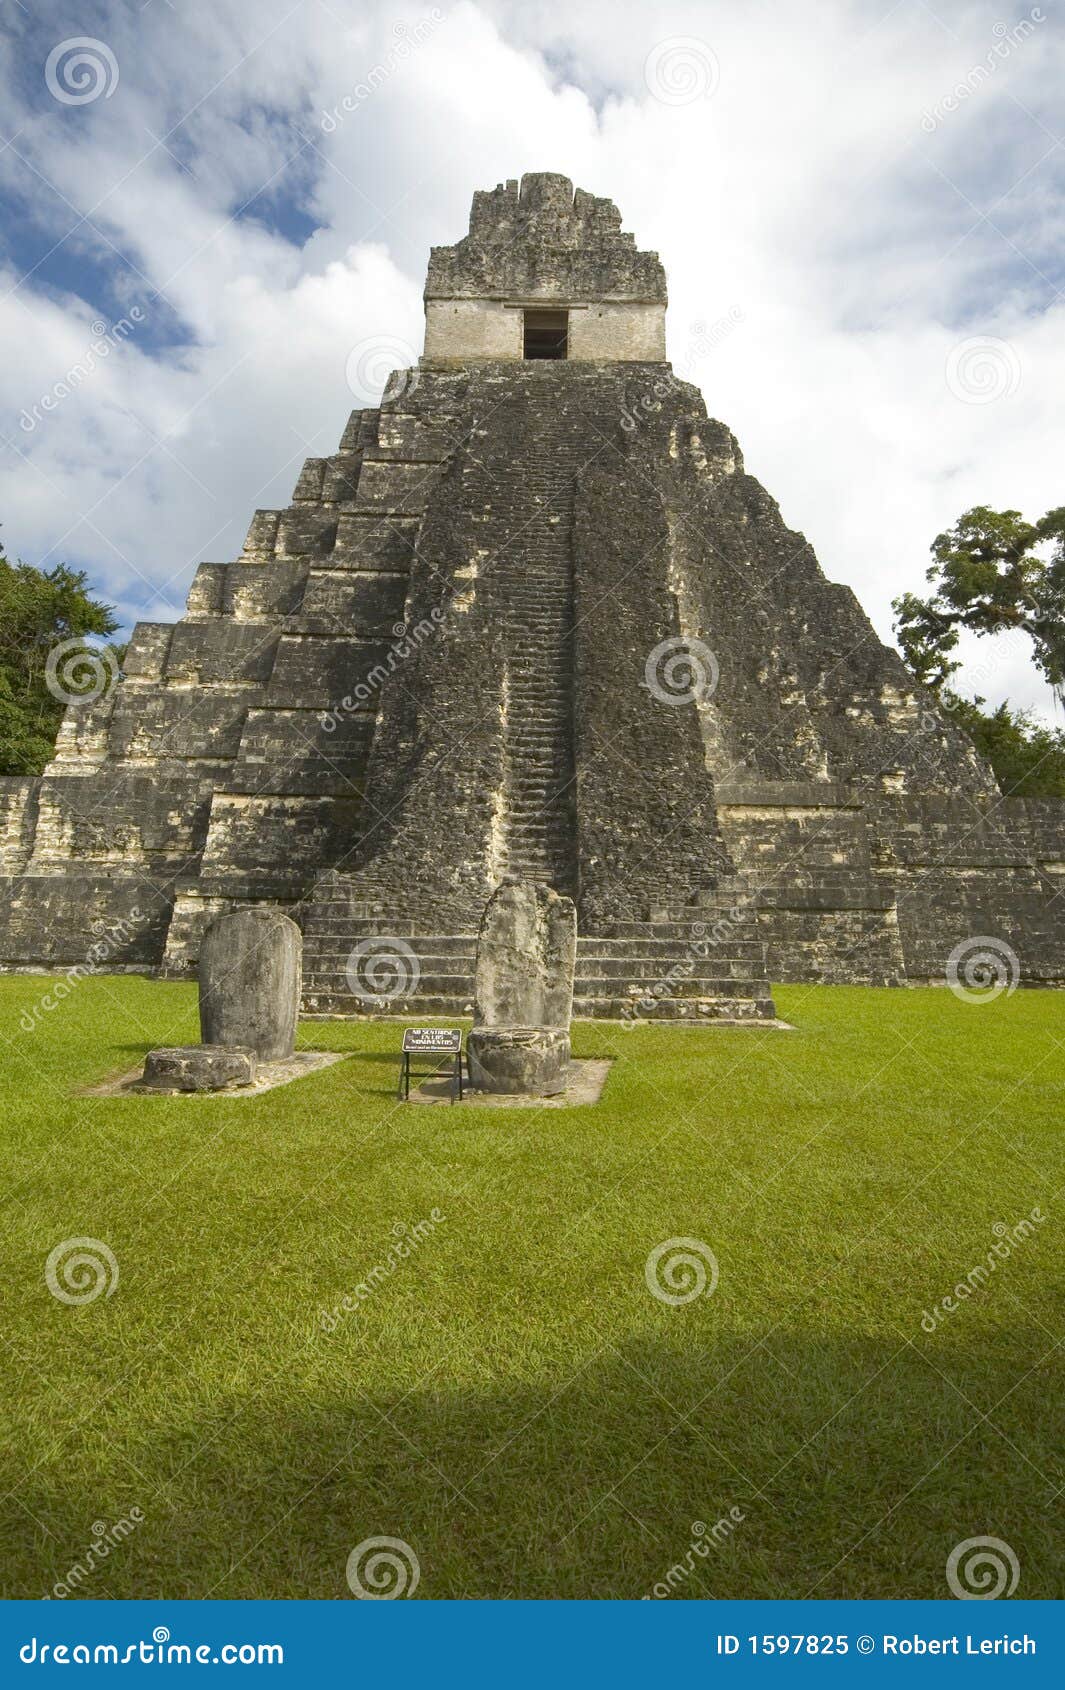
<point x="427" y="1040"/>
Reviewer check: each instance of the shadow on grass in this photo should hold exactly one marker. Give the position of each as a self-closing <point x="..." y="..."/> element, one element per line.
<point x="807" y="1465"/>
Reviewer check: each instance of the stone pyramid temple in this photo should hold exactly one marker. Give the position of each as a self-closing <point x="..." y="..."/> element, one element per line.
<point x="531" y="619"/>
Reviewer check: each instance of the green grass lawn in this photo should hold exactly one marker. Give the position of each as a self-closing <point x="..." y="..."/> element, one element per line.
<point x="512" y="1401"/>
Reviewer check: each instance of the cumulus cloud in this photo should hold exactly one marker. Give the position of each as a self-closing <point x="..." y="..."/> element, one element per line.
<point x="856" y="207"/>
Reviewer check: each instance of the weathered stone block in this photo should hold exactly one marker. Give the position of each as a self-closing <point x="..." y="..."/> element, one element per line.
<point x="526" y="952"/>
<point x="221" y="650"/>
<point x="306" y="528"/>
<point x="198" y="1068"/>
<point x="250" y="982"/>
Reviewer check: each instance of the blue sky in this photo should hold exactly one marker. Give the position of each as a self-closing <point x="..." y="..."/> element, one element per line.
<point x="867" y="197"/>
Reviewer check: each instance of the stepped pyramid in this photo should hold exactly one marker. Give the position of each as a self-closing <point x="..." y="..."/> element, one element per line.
<point x="533" y="618"/>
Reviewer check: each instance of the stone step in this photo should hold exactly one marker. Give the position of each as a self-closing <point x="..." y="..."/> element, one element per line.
<point x="641" y="990"/>
<point x="327" y="1002"/>
<point x="456" y="1007"/>
<point x="344" y="941"/>
<point x="692" y="1010"/>
<point x="647" y="944"/>
<point x="698" y="931"/>
<point x="706" y="970"/>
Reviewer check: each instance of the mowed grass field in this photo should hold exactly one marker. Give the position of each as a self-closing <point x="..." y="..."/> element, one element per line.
<point x="512" y="1401"/>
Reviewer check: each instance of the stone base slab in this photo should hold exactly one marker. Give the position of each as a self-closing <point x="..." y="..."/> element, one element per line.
<point x="267" y="1076"/>
<point x="585" y="1081"/>
<point x="198" y="1068"/>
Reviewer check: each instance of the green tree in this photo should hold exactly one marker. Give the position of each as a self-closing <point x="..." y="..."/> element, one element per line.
<point x="995" y="573"/>
<point x="41" y="609"/>
<point x="989" y="576"/>
<point x="1028" y="758"/>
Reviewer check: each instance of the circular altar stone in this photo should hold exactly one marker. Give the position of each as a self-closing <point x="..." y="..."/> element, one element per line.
<point x="530" y="1060"/>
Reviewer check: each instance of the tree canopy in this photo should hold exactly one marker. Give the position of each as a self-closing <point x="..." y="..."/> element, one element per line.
<point x="40" y="609"/>
<point x="994" y="573"/>
<point x="990" y="577"/>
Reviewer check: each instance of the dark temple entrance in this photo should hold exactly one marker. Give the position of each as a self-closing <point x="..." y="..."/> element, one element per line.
<point x="546" y="334"/>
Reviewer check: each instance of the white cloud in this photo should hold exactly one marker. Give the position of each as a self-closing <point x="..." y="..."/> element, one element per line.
<point x="804" y="191"/>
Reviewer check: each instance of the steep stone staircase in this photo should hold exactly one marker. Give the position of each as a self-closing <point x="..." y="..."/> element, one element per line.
<point x="533" y="583"/>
